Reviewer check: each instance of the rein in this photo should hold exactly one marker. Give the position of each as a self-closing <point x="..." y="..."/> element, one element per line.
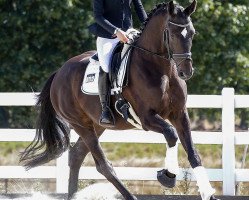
<point x="148" y="51"/>
<point x="184" y="56"/>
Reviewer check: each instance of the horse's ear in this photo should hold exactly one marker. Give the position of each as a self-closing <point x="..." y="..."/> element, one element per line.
<point x="172" y="10"/>
<point x="191" y="8"/>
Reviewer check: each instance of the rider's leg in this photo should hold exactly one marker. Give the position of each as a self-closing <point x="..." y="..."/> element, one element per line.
<point x="105" y="48"/>
<point x="106" y="117"/>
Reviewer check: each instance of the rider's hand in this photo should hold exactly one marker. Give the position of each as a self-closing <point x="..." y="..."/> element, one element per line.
<point x="121" y="35"/>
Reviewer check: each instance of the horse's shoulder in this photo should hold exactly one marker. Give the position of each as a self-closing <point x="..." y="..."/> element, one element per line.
<point x="178" y="93"/>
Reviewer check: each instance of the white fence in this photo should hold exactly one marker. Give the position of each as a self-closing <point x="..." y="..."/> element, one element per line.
<point x="228" y="101"/>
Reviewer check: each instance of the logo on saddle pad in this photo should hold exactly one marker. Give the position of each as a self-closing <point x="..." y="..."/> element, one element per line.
<point x="90" y="78"/>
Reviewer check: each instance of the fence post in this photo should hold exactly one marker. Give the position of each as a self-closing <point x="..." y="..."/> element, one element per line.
<point x="62" y="173"/>
<point x="228" y="149"/>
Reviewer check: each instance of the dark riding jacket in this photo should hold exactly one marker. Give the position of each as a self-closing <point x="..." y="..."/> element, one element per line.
<point x="112" y="14"/>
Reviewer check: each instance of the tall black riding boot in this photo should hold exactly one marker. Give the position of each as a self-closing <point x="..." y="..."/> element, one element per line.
<point x="107" y="117"/>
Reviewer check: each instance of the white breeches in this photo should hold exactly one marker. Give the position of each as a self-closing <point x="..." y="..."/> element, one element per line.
<point x="105" y="48"/>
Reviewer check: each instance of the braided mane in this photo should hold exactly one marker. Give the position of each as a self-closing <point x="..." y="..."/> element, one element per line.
<point x="151" y="13"/>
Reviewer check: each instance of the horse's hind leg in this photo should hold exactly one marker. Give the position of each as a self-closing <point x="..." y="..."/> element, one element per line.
<point x="77" y="154"/>
<point x="182" y="125"/>
<point x="102" y="164"/>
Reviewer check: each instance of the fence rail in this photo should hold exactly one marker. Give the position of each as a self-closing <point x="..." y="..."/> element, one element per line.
<point x="228" y="138"/>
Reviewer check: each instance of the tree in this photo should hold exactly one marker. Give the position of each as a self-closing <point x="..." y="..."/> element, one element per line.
<point x="36" y="38"/>
<point x="221" y="49"/>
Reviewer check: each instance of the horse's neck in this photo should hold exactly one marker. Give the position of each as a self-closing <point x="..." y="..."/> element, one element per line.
<point x="152" y="37"/>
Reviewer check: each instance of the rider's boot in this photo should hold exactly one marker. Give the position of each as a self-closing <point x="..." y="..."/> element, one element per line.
<point x="107" y="118"/>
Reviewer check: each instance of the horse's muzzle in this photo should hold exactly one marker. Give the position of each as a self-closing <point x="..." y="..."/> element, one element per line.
<point x="185" y="69"/>
<point x="186" y="75"/>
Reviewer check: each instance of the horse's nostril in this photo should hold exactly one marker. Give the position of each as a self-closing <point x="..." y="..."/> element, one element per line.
<point x="181" y="74"/>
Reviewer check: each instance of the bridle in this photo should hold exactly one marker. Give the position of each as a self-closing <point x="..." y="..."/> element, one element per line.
<point x="174" y="56"/>
<point x="171" y="55"/>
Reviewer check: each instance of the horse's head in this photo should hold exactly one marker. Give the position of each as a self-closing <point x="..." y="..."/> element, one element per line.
<point x="179" y="34"/>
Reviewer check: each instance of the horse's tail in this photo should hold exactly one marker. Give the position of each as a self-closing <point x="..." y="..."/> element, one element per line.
<point x="52" y="135"/>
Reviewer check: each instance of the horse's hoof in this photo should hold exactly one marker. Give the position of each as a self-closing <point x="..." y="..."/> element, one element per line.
<point x="213" y="198"/>
<point x="166" y="180"/>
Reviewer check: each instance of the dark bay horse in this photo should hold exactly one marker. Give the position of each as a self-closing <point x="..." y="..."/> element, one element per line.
<point x="160" y="64"/>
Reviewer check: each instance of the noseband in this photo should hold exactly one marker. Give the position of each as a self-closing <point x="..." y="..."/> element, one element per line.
<point x="174" y="56"/>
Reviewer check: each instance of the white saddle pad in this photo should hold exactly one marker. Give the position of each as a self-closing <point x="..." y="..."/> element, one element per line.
<point x="90" y="81"/>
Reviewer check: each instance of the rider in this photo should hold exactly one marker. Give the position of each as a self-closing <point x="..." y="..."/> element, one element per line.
<point x="113" y="18"/>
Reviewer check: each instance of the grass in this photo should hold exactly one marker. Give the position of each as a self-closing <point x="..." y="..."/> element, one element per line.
<point x="11" y="147"/>
<point x="123" y="150"/>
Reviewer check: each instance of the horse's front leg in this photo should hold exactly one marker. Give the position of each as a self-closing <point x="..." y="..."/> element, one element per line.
<point x="181" y="122"/>
<point x="167" y="176"/>
<point x="154" y="122"/>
